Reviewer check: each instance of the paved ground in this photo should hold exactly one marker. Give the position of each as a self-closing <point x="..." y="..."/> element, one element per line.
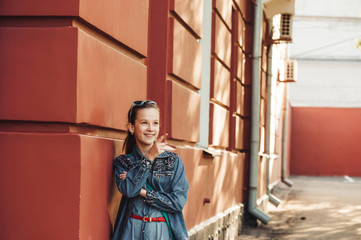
<point x="313" y="208"/>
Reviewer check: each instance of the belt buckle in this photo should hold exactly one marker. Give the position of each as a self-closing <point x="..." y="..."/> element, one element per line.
<point x="144" y="219"/>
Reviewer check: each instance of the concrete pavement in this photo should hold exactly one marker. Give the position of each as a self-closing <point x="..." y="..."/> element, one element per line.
<point x="313" y="208"/>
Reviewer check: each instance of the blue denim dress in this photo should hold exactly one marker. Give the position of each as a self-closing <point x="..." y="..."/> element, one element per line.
<point x="167" y="177"/>
<point x="137" y="229"/>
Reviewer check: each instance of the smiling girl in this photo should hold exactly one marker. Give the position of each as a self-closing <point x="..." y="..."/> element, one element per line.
<point x="151" y="180"/>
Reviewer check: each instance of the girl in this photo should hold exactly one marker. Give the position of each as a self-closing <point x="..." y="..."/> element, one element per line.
<point x="151" y="180"/>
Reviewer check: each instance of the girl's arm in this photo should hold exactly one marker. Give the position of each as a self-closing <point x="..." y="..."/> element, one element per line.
<point x="143" y="192"/>
<point x="136" y="174"/>
<point x="131" y="176"/>
<point x="175" y="200"/>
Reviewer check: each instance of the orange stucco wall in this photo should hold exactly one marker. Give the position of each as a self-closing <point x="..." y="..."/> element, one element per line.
<point x="68" y="73"/>
<point x="325" y="141"/>
<point x="67" y="76"/>
<point x="40" y="184"/>
<point x="174" y="68"/>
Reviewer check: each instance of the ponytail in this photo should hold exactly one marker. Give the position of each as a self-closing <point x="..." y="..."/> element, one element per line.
<point x="129" y="143"/>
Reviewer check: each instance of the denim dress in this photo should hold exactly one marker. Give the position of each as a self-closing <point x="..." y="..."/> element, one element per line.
<point x="170" y="190"/>
<point x="137" y="229"/>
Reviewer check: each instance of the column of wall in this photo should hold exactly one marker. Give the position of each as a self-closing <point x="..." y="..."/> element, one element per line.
<point x="262" y="181"/>
<point x="69" y="71"/>
<point x="277" y="114"/>
<point x="277" y="125"/>
<point x="230" y="101"/>
<point x="241" y="74"/>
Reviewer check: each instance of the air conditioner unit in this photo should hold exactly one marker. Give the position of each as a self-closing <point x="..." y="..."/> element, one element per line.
<point x="286" y="27"/>
<point x="288" y="72"/>
<point x="282" y="31"/>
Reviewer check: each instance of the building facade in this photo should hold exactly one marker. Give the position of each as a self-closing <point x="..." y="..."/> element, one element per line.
<point x="326" y="104"/>
<point x="69" y="71"/>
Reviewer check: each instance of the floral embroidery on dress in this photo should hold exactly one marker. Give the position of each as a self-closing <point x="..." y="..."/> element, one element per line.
<point x="150" y="195"/>
<point x="127" y="163"/>
<point x="124" y="161"/>
<point x="165" y="164"/>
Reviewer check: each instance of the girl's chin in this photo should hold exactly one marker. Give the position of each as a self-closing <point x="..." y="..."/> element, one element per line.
<point x="149" y="141"/>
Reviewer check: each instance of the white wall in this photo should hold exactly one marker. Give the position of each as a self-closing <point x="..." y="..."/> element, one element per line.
<point x="335" y="8"/>
<point x="327" y="84"/>
<point x="325" y="33"/>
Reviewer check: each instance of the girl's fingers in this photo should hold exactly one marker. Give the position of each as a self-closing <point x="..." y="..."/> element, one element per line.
<point x="157" y="148"/>
<point x="159" y="140"/>
<point x="163" y="145"/>
<point x="123" y="175"/>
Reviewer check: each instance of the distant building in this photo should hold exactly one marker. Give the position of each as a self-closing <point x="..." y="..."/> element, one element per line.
<point x="326" y="100"/>
<point x="69" y="71"/>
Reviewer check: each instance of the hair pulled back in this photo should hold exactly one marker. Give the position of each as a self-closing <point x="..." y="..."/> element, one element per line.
<point x="129" y="142"/>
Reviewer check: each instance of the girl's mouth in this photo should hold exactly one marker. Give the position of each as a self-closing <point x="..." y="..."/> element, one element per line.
<point x="149" y="135"/>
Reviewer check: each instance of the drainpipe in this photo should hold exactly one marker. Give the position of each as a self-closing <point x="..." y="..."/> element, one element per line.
<point x="272" y="198"/>
<point x="284" y="142"/>
<point x="256" y="86"/>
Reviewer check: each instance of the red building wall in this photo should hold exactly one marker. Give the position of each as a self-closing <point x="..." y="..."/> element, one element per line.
<point x="67" y="80"/>
<point x="325" y="141"/>
<point x="175" y="62"/>
<point x="69" y="71"/>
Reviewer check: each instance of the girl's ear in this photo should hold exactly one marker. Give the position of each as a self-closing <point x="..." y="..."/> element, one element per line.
<point x="131" y="128"/>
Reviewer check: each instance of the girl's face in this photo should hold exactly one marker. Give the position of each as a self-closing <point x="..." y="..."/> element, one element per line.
<point x="146" y="127"/>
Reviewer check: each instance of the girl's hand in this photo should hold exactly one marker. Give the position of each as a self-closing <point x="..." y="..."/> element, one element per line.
<point x="143" y="193"/>
<point x="123" y="175"/>
<point x="157" y="148"/>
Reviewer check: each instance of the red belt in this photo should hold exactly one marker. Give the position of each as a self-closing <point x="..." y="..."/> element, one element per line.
<point x="148" y="219"/>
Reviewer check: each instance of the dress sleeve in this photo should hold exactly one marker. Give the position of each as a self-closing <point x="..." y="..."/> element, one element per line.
<point x="174" y="200"/>
<point x="137" y="173"/>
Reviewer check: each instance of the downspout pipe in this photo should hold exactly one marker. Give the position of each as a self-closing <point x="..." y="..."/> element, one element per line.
<point x="271" y="198"/>
<point x="255" y="111"/>
<point x="284" y="143"/>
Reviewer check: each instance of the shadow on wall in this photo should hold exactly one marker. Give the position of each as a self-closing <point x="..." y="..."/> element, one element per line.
<point x="114" y="196"/>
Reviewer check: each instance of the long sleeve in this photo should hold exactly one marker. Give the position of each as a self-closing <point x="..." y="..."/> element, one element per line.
<point x="137" y="173"/>
<point x="174" y="200"/>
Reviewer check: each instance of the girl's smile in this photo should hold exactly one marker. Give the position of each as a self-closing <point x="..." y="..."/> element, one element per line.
<point x="145" y="128"/>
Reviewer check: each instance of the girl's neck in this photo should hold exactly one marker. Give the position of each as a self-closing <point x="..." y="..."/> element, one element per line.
<point x="143" y="149"/>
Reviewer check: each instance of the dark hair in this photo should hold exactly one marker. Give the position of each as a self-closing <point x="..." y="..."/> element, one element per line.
<point x="129" y="142"/>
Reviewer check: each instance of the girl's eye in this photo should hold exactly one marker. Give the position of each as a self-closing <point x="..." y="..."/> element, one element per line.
<point x="144" y="122"/>
<point x="156" y="123"/>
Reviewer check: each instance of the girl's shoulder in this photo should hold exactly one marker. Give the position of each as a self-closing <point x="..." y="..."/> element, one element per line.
<point x="123" y="160"/>
<point x="122" y="157"/>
